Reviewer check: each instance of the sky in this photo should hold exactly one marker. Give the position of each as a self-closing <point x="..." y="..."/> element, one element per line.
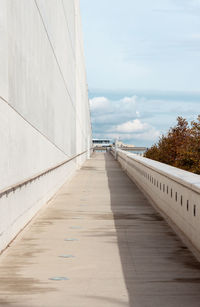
<point x="143" y="66"/>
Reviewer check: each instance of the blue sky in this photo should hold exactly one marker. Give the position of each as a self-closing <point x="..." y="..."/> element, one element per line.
<point x="143" y="65"/>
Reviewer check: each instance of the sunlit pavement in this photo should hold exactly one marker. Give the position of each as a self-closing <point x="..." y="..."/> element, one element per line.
<point x="99" y="243"/>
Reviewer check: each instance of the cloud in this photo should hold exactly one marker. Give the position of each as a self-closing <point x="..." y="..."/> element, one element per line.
<point x="137" y="130"/>
<point x="151" y="135"/>
<point x="129" y="100"/>
<point x="195" y="36"/>
<point x="142" y="138"/>
<point x="137" y="113"/>
<point x="113" y="111"/>
<point x="125" y="118"/>
<point x="140" y="119"/>
<point x="132" y="126"/>
<point x="98" y="103"/>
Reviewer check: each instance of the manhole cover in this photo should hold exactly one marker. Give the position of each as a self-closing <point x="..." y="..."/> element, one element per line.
<point x="67" y="256"/>
<point x="59" y="278"/>
<point x="71" y="239"/>
<point x="76" y="227"/>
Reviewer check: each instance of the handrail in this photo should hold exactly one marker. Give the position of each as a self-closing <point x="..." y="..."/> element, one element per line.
<point x="19" y="185"/>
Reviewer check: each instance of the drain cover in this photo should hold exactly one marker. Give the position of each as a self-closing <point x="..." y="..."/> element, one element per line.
<point x="59" y="278"/>
<point x="67" y="256"/>
<point x="71" y="239"/>
<point x="76" y="227"/>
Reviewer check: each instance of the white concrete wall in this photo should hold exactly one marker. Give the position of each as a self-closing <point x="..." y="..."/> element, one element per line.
<point x="174" y="191"/>
<point x="44" y="110"/>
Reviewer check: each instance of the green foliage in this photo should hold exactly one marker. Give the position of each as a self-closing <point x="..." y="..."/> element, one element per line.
<point x="180" y="147"/>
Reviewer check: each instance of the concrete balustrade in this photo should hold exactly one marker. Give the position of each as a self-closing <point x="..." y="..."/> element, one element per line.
<point x="175" y="192"/>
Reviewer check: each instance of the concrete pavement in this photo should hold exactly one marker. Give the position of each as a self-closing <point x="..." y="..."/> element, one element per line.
<point x="99" y="243"/>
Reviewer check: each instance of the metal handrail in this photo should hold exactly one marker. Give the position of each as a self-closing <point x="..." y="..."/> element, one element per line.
<point x="19" y="185"/>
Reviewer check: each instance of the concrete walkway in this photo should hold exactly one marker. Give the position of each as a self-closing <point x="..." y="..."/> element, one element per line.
<point x="101" y="234"/>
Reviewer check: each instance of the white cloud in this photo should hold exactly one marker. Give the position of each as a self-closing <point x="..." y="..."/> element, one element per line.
<point x="137" y="130"/>
<point x="151" y="135"/>
<point x="97" y="103"/>
<point x="132" y="118"/>
<point x="144" y="137"/>
<point x="132" y="126"/>
<point x="196" y="36"/>
<point x="130" y="100"/>
<point x="142" y="119"/>
<point x="113" y="111"/>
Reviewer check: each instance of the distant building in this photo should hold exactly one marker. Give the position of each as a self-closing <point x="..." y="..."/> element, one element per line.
<point x="101" y="142"/>
<point x="121" y="144"/>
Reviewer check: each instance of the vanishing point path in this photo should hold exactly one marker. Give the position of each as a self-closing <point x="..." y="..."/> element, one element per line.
<point x="102" y="237"/>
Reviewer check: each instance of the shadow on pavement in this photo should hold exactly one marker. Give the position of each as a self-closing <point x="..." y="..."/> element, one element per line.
<point x="158" y="269"/>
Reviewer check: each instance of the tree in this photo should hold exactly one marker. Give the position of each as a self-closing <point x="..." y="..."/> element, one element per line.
<point x="180" y="147"/>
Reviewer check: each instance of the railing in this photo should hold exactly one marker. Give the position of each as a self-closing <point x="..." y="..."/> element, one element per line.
<point x="126" y="148"/>
<point x="19" y="185"/>
<point x="175" y="192"/>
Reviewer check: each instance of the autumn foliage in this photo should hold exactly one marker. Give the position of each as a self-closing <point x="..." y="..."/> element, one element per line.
<point x="180" y="147"/>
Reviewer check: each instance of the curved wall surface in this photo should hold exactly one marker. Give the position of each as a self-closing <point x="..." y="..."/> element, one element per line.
<point x="44" y="110"/>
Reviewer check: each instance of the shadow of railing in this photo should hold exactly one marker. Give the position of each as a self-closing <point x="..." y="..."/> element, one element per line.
<point x="157" y="267"/>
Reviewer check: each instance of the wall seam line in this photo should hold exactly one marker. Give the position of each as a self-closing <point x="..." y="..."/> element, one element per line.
<point x="59" y="67"/>
<point x="3" y="99"/>
<point x="66" y="21"/>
